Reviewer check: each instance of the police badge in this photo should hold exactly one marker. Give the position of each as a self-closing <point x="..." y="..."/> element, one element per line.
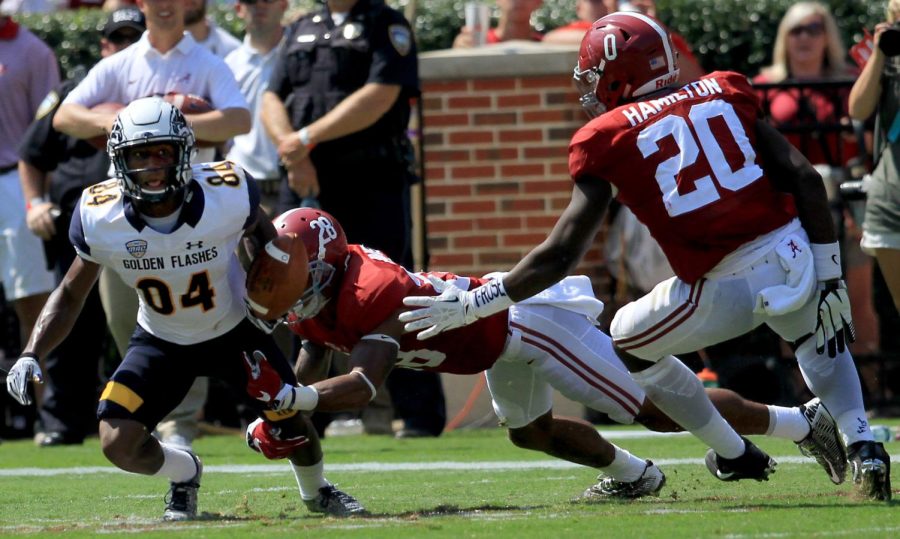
<point x="401" y="38"/>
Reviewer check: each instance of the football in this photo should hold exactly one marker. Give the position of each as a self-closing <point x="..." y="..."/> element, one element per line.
<point x="277" y="277"/>
<point x="99" y="142"/>
<point x="191" y="104"/>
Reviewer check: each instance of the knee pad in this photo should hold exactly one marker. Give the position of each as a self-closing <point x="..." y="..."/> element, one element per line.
<point x="266" y="439"/>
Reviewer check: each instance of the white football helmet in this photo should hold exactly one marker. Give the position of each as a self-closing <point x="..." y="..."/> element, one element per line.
<point x="151" y="120"/>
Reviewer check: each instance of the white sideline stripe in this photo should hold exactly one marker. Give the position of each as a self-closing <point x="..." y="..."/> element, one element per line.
<point x="500" y="465"/>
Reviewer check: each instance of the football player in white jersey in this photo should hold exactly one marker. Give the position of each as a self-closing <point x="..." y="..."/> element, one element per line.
<point x="171" y="231"/>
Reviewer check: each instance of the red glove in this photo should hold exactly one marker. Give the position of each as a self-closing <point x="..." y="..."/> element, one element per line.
<point x="264" y="438"/>
<point x="263" y="381"/>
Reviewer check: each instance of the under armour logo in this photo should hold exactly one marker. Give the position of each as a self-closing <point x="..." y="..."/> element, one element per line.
<point x="198" y="245"/>
<point x="794" y="249"/>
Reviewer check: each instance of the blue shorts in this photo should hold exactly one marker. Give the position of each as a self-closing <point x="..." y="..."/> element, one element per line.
<point x="156" y="374"/>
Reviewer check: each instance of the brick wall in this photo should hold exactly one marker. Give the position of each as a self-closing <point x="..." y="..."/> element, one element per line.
<point x="496" y="130"/>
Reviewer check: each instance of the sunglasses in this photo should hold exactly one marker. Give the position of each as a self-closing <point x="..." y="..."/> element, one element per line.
<point x="122" y="38"/>
<point x="814" y="29"/>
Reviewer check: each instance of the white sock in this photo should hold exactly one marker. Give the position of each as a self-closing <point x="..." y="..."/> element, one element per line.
<point x="787" y="423"/>
<point x="854" y="427"/>
<point x="677" y="391"/>
<point x="625" y="467"/>
<point x="178" y="465"/>
<point x="310" y="479"/>
<point x="835" y="381"/>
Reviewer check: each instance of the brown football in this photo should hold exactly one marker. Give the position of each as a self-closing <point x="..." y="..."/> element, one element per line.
<point x="191" y="104"/>
<point x="277" y="277"/>
<point x="99" y="142"/>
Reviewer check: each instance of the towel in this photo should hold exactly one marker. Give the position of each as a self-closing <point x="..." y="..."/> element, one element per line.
<point x="795" y="257"/>
<point x="573" y="293"/>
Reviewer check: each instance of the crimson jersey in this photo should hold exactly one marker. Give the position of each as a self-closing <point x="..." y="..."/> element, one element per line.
<point x="372" y="289"/>
<point x="686" y="165"/>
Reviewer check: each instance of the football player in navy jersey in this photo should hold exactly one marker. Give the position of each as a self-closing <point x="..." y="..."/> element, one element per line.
<point x="350" y="305"/>
<point x="742" y="218"/>
<point x="171" y="231"/>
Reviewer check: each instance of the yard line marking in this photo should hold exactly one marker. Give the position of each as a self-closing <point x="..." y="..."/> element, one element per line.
<point x="500" y="465"/>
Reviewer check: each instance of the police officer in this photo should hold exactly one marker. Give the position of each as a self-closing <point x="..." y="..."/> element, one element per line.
<point x="70" y="392"/>
<point x="337" y="108"/>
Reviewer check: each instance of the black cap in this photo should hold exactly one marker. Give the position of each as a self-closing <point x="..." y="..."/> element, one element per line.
<point x="126" y="17"/>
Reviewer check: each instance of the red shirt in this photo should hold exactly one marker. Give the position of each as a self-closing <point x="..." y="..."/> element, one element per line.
<point x="372" y="289"/>
<point x="795" y="107"/>
<point x="685" y="164"/>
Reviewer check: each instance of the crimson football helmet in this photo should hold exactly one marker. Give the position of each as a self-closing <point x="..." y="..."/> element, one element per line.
<point x="326" y="245"/>
<point x="623" y="56"/>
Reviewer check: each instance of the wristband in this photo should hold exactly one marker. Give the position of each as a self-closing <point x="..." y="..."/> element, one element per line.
<point x="303" y="135"/>
<point x="32" y="355"/>
<point x="827" y="260"/>
<point x="489" y="298"/>
<point x="303" y="398"/>
<point x="34" y="201"/>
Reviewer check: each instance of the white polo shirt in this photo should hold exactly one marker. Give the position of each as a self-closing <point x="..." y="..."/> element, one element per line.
<point x="141" y="71"/>
<point x="254" y="150"/>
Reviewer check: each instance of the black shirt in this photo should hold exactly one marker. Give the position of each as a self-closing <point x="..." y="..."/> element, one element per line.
<point x="321" y="64"/>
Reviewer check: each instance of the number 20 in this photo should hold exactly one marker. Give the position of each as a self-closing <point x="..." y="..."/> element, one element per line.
<point x="705" y="191"/>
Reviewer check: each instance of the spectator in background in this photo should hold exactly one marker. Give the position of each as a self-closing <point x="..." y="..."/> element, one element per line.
<point x="878" y="90"/>
<point x="205" y="31"/>
<point x="587" y="11"/>
<point x="337" y="108"/>
<point x="28" y="71"/>
<point x="514" y="23"/>
<point x="54" y="169"/>
<point x="252" y="64"/>
<point x="808" y="47"/>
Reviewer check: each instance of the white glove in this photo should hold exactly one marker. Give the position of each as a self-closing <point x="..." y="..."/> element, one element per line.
<point x="834" y="325"/>
<point x="454" y="308"/>
<point x="25" y="370"/>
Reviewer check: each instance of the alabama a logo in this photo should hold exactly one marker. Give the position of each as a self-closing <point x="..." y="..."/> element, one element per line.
<point x="137" y="248"/>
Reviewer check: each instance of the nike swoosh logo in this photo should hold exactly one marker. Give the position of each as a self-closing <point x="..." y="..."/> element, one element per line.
<point x="834" y="259"/>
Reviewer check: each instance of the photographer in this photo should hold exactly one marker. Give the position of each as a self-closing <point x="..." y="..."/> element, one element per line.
<point x="878" y="89"/>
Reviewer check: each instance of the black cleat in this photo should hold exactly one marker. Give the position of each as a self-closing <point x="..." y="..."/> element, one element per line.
<point x="824" y="442"/>
<point x="648" y="484"/>
<point x="753" y="464"/>
<point x="181" y="501"/>
<point x="334" y="502"/>
<point x="871" y="467"/>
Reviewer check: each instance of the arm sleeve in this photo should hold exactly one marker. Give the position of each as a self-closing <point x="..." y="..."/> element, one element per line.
<point x="76" y="235"/>
<point x="96" y="87"/>
<point x="222" y="87"/>
<point x="394" y="59"/>
<point x="279" y="83"/>
<point x="42" y="146"/>
<point x="253" y="194"/>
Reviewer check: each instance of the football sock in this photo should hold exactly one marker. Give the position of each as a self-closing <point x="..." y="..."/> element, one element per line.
<point x="677" y="391"/>
<point x="178" y="465"/>
<point x="834" y="380"/>
<point x="310" y="479"/>
<point x="787" y="423"/>
<point x="625" y="467"/>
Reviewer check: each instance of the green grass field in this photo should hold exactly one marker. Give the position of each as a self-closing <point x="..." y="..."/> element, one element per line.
<point x="464" y="484"/>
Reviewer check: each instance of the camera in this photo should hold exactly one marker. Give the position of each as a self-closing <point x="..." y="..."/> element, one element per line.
<point x="889" y="43"/>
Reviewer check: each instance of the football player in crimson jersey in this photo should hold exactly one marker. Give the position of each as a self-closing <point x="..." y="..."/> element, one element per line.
<point x="741" y="216"/>
<point x="549" y="342"/>
<point x="170" y="231"/>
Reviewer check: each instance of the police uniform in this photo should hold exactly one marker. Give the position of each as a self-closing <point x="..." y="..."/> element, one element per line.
<point x="70" y="391"/>
<point x="190" y="285"/>
<point x="363" y="177"/>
